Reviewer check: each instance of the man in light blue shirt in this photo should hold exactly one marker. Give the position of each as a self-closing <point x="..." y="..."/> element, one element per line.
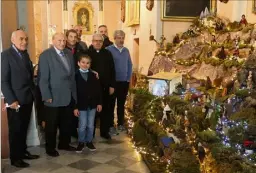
<point x="123" y="67"/>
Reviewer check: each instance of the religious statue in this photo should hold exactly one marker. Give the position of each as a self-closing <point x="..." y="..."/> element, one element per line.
<point x="222" y="53"/>
<point x="228" y="39"/>
<point x="236" y="52"/>
<point x="243" y="21"/>
<point x="150" y="4"/>
<point x="161" y="44"/>
<point x="176" y="39"/>
<point x="237" y="40"/>
<point x="83" y="19"/>
<point x="219" y="25"/>
<point x="213" y="41"/>
<point x="249" y="80"/>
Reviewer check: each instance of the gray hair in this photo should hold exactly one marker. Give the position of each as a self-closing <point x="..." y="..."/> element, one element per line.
<point x="118" y="32"/>
<point x="97" y="35"/>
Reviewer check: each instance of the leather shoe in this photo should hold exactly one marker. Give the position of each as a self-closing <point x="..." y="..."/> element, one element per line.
<point x="19" y="164"/>
<point x="53" y="153"/>
<point x="68" y="148"/>
<point x="30" y="156"/>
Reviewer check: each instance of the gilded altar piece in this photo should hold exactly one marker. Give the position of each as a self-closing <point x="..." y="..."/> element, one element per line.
<point x="254" y="6"/>
<point x="182" y="10"/>
<point x="83" y="15"/>
<point x="123" y="10"/>
<point x="133" y="12"/>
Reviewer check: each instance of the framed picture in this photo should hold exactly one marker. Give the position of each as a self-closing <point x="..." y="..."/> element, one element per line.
<point x="83" y="16"/>
<point x="133" y="12"/>
<point x="254" y="6"/>
<point x="184" y="10"/>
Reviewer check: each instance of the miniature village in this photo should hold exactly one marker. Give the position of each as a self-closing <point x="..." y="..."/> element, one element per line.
<point x="207" y="123"/>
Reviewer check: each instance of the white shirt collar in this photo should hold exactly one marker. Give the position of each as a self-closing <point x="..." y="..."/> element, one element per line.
<point x="57" y="50"/>
<point x="15" y="48"/>
<point x="120" y="49"/>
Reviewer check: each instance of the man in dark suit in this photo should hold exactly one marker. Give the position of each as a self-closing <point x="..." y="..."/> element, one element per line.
<point x="79" y="31"/>
<point x="103" y="63"/>
<point x="58" y="89"/>
<point x="17" y="88"/>
<point x="103" y="30"/>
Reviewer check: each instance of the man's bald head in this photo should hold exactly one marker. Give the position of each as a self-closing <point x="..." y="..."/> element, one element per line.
<point x="59" y="41"/>
<point x="20" y="40"/>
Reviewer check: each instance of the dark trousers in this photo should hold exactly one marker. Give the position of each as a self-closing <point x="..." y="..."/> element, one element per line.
<point x="120" y="95"/>
<point x="104" y="115"/>
<point x="39" y="104"/>
<point x="18" y="126"/>
<point x="58" y="117"/>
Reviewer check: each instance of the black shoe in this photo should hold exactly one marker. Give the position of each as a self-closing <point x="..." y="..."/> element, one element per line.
<point x="106" y="136"/>
<point x="80" y="147"/>
<point x="19" y="164"/>
<point x="29" y="156"/>
<point x="68" y="148"/>
<point x="90" y="146"/>
<point x="53" y="153"/>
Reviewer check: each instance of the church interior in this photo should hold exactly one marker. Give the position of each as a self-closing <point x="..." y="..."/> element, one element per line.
<point x="191" y="106"/>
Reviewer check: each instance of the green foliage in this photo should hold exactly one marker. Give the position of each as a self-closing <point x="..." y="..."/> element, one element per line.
<point x="208" y="136"/>
<point x="139" y="134"/>
<point x="212" y="61"/>
<point x="231" y="63"/>
<point x="242" y="93"/>
<point x="236" y="135"/>
<point x="245" y="114"/>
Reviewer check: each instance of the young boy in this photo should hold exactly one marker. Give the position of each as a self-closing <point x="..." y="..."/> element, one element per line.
<point x="88" y="102"/>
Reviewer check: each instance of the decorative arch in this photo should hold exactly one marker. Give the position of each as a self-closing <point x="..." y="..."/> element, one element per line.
<point x="83" y="15"/>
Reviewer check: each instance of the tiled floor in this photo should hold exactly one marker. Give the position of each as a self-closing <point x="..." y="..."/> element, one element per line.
<point x="117" y="156"/>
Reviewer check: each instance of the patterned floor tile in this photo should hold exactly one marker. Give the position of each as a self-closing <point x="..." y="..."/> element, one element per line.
<point x="133" y="155"/>
<point x="26" y="171"/>
<point x="84" y="164"/>
<point x="139" y="167"/>
<point x="44" y="166"/>
<point x="104" y="168"/>
<point x="121" y="162"/>
<point x="115" y="151"/>
<point x="101" y="157"/>
<point x="67" y="159"/>
<point x="67" y="169"/>
<point x="127" y="171"/>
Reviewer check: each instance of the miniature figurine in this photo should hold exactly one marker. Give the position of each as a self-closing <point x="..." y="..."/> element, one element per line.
<point x="228" y="39"/>
<point x="222" y="53"/>
<point x="213" y="41"/>
<point x="219" y="25"/>
<point x="176" y="39"/>
<point x="249" y="80"/>
<point x="243" y="21"/>
<point x="237" y="40"/>
<point x="236" y="52"/>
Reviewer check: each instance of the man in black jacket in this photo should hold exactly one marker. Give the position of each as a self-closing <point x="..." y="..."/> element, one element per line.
<point x="103" y="30"/>
<point x="103" y="63"/>
<point x="18" y="90"/>
<point x="73" y="45"/>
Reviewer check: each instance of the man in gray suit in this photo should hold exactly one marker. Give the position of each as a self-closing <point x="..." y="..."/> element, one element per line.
<point x="17" y="87"/>
<point x="58" y="89"/>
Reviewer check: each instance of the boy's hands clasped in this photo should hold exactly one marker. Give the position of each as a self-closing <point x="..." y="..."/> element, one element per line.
<point x="76" y="111"/>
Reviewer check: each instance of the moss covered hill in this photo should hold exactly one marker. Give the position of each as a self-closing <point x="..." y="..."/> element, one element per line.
<point x="211" y="47"/>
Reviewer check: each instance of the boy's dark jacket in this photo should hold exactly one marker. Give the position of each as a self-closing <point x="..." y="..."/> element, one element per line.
<point x="88" y="92"/>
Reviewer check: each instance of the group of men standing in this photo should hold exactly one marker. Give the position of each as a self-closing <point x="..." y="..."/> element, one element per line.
<point x="111" y="63"/>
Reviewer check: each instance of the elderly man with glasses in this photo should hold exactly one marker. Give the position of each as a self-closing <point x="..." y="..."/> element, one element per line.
<point x="103" y="63"/>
